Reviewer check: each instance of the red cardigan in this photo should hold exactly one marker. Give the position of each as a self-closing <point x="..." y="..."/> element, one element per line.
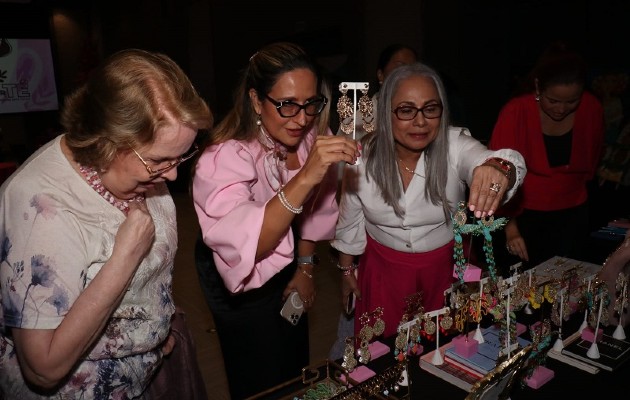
<point x="518" y="127"/>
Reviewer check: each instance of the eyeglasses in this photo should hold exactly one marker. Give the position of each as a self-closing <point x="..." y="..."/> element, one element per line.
<point x="407" y="113"/>
<point x="154" y="173"/>
<point x="288" y="109"/>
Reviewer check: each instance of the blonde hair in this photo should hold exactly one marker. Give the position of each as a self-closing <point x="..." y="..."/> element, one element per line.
<point x="125" y="102"/>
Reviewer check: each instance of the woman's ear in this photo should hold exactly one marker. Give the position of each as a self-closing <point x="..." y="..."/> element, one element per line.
<point x="380" y="76"/>
<point x="256" y="103"/>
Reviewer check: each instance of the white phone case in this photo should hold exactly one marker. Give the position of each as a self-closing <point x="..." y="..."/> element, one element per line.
<point x="293" y="308"/>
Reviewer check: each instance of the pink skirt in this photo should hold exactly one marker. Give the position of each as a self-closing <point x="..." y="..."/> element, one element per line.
<point x="387" y="276"/>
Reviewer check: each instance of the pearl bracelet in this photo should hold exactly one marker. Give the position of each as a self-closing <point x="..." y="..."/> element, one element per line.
<point x="287" y="205"/>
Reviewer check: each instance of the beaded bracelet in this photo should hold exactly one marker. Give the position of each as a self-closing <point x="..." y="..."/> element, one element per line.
<point x="347" y="270"/>
<point x="287" y="205"/>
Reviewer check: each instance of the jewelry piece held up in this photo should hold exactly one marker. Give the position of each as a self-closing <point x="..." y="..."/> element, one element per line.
<point x="366" y="106"/>
<point x="345" y="108"/>
<point x="495" y="187"/>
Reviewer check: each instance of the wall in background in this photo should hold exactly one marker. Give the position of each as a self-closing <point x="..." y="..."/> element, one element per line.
<point x="479" y="47"/>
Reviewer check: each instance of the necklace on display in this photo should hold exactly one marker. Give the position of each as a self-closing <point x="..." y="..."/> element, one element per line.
<point x="92" y="178"/>
<point x="409" y="170"/>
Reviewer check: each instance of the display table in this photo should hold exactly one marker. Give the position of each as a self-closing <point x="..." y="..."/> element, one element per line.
<point x="568" y="382"/>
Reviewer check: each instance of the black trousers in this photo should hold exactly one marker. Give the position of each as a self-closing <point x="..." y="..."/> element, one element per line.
<point x="260" y="348"/>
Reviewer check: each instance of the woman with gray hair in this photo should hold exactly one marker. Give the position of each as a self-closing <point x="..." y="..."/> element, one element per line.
<point x="396" y="206"/>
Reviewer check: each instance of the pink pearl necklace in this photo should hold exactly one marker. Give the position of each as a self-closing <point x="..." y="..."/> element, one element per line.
<point x="95" y="182"/>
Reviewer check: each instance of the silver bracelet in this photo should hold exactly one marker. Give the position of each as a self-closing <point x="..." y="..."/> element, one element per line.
<point x="288" y="205"/>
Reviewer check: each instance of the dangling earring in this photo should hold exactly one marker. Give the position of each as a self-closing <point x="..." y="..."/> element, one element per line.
<point x="365" y="335"/>
<point x="446" y="321"/>
<point x="429" y="325"/>
<point x="379" y="324"/>
<point x="537" y="97"/>
<point x="345" y="109"/>
<point x="366" y="106"/>
<point x="258" y="120"/>
<point x="349" y="361"/>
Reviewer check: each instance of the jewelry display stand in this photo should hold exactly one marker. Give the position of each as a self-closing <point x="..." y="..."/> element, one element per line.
<point x="508" y="285"/>
<point x="559" y="345"/>
<point x="593" y="351"/>
<point x="621" y="305"/>
<point x="478" y="334"/>
<point x="588" y="280"/>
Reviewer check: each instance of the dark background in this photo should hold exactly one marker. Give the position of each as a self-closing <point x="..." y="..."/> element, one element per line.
<point x="481" y="47"/>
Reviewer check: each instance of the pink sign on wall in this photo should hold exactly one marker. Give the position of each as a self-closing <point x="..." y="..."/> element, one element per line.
<point x="27" y="76"/>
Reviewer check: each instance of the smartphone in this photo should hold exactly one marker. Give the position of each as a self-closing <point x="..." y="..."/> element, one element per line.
<point x="293" y="308"/>
<point x="350" y="304"/>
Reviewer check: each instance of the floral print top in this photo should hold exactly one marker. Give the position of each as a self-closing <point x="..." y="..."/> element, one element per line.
<point x="56" y="233"/>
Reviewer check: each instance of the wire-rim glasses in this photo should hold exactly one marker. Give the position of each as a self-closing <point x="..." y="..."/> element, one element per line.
<point x="288" y="108"/>
<point x="157" y="172"/>
<point x="407" y="113"/>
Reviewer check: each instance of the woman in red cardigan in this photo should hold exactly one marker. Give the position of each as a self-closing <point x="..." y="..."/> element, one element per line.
<point x="558" y="127"/>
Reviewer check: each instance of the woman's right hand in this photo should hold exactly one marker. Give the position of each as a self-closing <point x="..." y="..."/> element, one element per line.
<point x="349" y="284"/>
<point x="136" y="234"/>
<point x="327" y="151"/>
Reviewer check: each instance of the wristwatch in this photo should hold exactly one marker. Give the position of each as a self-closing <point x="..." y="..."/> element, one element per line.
<point x="312" y="259"/>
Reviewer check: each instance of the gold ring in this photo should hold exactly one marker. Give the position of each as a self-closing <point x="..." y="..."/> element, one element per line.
<point x="495" y="187"/>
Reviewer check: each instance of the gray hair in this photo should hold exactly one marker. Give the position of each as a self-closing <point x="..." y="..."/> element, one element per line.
<point x="380" y="148"/>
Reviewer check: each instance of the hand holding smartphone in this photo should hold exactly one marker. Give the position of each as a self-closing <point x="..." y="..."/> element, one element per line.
<point x="293" y="308"/>
<point x="350" y="303"/>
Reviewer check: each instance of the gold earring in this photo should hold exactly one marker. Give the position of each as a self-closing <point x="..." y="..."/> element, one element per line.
<point x="446" y="322"/>
<point x="366" y="106"/>
<point x="345" y="109"/>
<point x="379" y="324"/>
<point x="349" y="361"/>
<point x="364" y="352"/>
<point x="429" y="325"/>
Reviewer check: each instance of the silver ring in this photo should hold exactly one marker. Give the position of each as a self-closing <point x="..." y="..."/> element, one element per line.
<point x="495" y="187"/>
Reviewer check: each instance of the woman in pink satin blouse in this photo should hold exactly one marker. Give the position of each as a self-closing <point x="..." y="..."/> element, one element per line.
<point x="264" y="193"/>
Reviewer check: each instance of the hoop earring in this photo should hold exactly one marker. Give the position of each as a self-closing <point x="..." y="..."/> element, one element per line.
<point x="366" y="106"/>
<point x="345" y="109"/>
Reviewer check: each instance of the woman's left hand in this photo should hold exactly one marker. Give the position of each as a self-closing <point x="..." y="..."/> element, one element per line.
<point x="487" y="189"/>
<point x="304" y="285"/>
